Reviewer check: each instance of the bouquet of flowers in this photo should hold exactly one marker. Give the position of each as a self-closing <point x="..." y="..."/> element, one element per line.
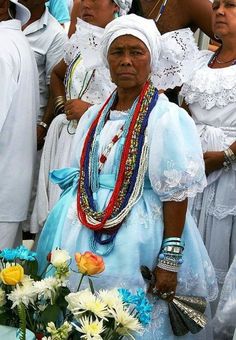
<point x="44" y="304"/>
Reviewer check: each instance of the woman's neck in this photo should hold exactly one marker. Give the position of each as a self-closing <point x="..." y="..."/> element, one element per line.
<point x="228" y="50"/>
<point x="126" y="97"/>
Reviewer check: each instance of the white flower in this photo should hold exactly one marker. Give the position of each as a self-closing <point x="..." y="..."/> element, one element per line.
<point x="126" y="322"/>
<point x="61" y="333"/>
<point x="59" y="257"/>
<point x="110" y="297"/>
<point x="2" y="297"/>
<point x="23" y="293"/>
<point x="47" y="288"/>
<point x="85" y="301"/>
<point x="90" y="328"/>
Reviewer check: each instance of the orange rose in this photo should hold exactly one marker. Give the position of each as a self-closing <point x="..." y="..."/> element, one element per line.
<point x="89" y="263"/>
<point x="12" y="275"/>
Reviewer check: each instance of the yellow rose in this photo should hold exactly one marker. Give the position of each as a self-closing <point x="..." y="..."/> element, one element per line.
<point x="12" y="275"/>
<point x="89" y="263"/>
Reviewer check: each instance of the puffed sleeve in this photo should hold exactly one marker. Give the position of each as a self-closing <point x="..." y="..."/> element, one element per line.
<point x="176" y="166"/>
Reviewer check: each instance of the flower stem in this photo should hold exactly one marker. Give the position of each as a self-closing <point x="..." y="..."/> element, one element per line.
<point x="32" y="326"/>
<point x="81" y="279"/>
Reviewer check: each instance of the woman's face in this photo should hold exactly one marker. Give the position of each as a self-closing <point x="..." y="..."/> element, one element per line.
<point x="98" y="12"/>
<point x="224" y="18"/>
<point x="129" y="62"/>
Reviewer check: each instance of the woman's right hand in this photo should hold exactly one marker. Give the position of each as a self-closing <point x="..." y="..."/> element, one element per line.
<point x="75" y="108"/>
<point x="165" y="283"/>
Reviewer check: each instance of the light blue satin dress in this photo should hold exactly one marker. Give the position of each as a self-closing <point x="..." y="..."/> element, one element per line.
<point x="175" y="171"/>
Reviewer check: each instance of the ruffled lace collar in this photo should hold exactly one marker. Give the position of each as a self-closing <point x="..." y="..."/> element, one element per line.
<point x="210" y="87"/>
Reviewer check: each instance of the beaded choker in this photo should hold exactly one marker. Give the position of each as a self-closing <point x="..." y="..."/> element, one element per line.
<point x="132" y="167"/>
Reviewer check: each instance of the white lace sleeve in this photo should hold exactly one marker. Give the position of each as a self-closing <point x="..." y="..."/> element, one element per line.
<point x="176" y="167"/>
<point x="179" y="49"/>
<point x="85" y="40"/>
<point x="71" y="48"/>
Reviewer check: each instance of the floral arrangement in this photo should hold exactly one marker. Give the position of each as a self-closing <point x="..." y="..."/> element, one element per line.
<point x="44" y="304"/>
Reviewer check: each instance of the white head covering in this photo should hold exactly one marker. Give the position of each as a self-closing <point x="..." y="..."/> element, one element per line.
<point x="124" y="5"/>
<point x="22" y="13"/>
<point x="172" y="54"/>
<point x="141" y="28"/>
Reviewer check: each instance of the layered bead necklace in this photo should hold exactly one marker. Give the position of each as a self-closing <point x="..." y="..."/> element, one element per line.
<point x="132" y="165"/>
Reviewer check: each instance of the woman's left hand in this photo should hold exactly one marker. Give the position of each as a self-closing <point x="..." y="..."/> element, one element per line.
<point x="75" y="108"/>
<point x="213" y="161"/>
<point x="165" y="285"/>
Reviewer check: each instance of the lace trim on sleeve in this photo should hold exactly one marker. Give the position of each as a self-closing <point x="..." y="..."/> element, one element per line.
<point x="176" y="185"/>
<point x="175" y="65"/>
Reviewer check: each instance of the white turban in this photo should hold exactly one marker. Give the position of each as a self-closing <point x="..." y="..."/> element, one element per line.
<point x="124" y="5"/>
<point x="141" y="28"/>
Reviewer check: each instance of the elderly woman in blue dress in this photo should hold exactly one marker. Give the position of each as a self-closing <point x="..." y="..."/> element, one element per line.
<point x="137" y="159"/>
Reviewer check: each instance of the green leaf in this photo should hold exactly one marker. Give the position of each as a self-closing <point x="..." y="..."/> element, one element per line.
<point x="22" y="318"/>
<point x="31" y="268"/>
<point x="51" y="313"/>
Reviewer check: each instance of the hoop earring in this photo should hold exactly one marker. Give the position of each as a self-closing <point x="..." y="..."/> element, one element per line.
<point x="216" y="37"/>
<point x="9" y="13"/>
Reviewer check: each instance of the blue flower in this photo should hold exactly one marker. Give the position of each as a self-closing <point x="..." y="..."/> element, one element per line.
<point x="127" y="296"/>
<point x="8" y="254"/>
<point x="24" y="253"/>
<point x="143" y="307"/>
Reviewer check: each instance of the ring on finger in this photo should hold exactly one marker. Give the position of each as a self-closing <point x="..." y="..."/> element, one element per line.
<point x="166" y="295"/>
<point x="154" y="290"/>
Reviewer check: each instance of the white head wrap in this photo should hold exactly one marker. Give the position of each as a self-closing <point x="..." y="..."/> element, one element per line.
<point x="124" y="5"/>
<point x="172" y="54"/>
<point x="141" y="28"/>
<point x="22" y="13"/>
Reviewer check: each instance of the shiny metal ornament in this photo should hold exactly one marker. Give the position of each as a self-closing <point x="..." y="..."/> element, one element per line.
<point x="186" y="314"/>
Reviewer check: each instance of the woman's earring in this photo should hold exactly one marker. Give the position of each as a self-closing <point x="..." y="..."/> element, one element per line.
<point x="9" y="13"/>
<point x="216" y="37"/>
<point x="116" y="15"/>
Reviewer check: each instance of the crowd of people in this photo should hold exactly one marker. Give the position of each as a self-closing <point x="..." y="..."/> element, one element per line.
<point x="98" y="155"/>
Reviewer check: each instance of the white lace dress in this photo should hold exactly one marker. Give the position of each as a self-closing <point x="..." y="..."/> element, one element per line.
<point x="211" y="95"/>
<point x="83" y="82"/>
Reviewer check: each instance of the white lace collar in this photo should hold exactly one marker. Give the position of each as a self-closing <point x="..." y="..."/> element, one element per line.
<point x="210" y="87"/>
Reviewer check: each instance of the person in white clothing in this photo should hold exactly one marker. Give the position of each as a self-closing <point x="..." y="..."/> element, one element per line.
<point x="19" y="98"/>
<point x="211" y="95"/>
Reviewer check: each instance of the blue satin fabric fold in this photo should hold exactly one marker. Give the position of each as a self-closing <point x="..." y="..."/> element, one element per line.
<point x="67" y="179"/>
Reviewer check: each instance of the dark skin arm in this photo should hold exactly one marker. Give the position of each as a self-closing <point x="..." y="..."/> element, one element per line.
<point x="174" y="218"/>
<point x="47" y="118"/>
<point x="214" y="159"/>
<point x="75" y="13"/>
<point x="199" y="12"/>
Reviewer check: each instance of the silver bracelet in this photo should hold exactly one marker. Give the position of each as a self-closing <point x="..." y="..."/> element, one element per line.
<point x="44" y="125"/>
<point x="230" y="155"/>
